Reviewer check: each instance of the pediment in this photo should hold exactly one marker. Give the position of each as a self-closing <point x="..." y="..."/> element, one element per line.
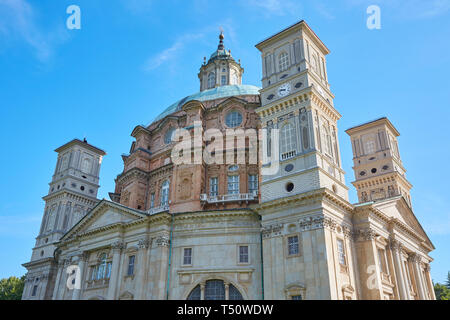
<point x="105" y="214"/>
<point x="400" y="210"/>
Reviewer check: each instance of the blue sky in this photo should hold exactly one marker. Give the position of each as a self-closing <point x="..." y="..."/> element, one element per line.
<point x="133" y="58"/>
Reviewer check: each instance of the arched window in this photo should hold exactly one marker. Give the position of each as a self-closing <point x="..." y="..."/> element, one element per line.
<point x="168" y="137"/>
<point x="215" y="290"/>
<point x="86" y="165"/>
<point x="211" y="80"/>
<point x="305" y="138"/>
<point x="283" y="61"/>
<point x="287" y="138"/>
<point x="165" y="193"/>
<point x="327" y="138"/>
<point x="195" y="294"/>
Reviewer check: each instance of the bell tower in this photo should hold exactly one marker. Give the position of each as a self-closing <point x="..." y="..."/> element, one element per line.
<point x="379" y="172"/>
<point x="296" y="100"/>
<point x="72" y="193"/>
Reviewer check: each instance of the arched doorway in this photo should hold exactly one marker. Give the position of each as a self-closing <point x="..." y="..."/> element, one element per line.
<point x="215" y="290"/>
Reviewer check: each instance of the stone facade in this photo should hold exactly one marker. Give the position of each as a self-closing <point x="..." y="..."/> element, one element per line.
<point x="225" y="230"/>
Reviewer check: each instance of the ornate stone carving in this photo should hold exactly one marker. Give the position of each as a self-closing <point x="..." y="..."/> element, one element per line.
<point x="395" y="245"/>
<point x="329" y="223"/>
<point x="311" y="223"/>
<point x="427" y="267"/>
<point x="347" y="232"/>
<point x="414" y="258"/>
<point x="272" y="230"/>
<point x="364" y="235"/>
<point x="163" y="241"/>
<point x="143" y="243"/>
<point x="117" y="245"/>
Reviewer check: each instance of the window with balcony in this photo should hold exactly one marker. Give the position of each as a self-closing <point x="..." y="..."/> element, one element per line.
<point x="233" y="184"/>
<point x="288" y="141"/>
<point x="214" y="186"/>
<point x="252" y="183"/>
<point x="165" y="193"/>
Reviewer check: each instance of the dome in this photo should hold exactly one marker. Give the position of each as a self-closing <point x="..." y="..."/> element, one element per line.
<point x="211" y="94"/>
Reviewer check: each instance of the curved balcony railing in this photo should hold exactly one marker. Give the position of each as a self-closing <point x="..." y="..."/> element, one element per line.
<point x="158" y="209"/>
<point x="229" y="197"/>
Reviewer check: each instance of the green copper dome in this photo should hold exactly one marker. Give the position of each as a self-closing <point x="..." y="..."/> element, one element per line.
<point x="211" y="94"/>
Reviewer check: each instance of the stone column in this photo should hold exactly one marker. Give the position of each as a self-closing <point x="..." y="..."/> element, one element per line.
<point x="117" y="251"/>
<point x="369" y="270"/>
<point x="202" y="291"/>
<point x="81" y="261"/>
<point x="400" y="280"/>
<point x="227" y="291"/>
<point x="141" y="279"/>
<point x="414" y="259"/>
<point x="58" y="279"/>
<point x="430" y="282"/>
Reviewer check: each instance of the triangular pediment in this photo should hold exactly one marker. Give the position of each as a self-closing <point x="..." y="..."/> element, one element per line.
<point x="397" y="208"/>
<point x="104" y="215"/>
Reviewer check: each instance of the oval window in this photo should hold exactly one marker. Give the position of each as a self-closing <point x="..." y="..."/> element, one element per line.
<point x="233" y="119"/>
<point x="289" y="167"/>
<point x="289" y="187"/>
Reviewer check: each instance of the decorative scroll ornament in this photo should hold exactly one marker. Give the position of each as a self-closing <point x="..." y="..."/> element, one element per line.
<point x="395" y="245"/>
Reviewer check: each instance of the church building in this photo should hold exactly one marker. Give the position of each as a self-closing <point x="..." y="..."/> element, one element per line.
<point x="238" y="230"/>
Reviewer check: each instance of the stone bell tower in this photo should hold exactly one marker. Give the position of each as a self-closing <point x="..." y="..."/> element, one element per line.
<point x="72" y="193"/>
<point x="378" y="168"/>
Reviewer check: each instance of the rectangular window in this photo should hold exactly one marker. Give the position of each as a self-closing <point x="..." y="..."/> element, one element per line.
<point x="293" y="247"/>
<point x="213" y="186"/>
<point x="187" y="256"/>
<point x="381" y="260"/>
<point x="341" y="252"/>
<point x="370" y="147"/>
<point x="108" y="270"/>
<point x="33" y="294"/>
<point x="224" y="80"/>
<point x="93" y="272"/>
<point x="243" y="254"/>
<point x="130" y="270"/>
<point x="233" y="184"/>
<point x="152" y="200"/>
<point x="296" y="297"/>
<point x="252" y="183"/>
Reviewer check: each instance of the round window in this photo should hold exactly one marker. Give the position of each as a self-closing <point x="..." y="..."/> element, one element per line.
<point x="362" y="173"/>
<point x="233" y="119"/>
<point x="374" y="170"/>
<point x="289" y="186"/>
<point x="289" y="167"/>
<point x="385" y="167"/>
<point x="82" y="188"/>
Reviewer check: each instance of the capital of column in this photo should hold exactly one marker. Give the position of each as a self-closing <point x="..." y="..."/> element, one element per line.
<point x="163" y="241"/>
<point x="117" y="246"/>
<point x="395" y="245"/>
<point x="414" y="257"/>
<point x="427" y="267"/>
<point x="144" y="243"/>
<point x="367" y="234"/>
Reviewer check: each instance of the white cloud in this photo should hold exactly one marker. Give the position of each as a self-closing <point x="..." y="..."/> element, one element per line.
<point x="211" y="32"/>
<point x="18" y="21"/>
<point x="171" y="52"/>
